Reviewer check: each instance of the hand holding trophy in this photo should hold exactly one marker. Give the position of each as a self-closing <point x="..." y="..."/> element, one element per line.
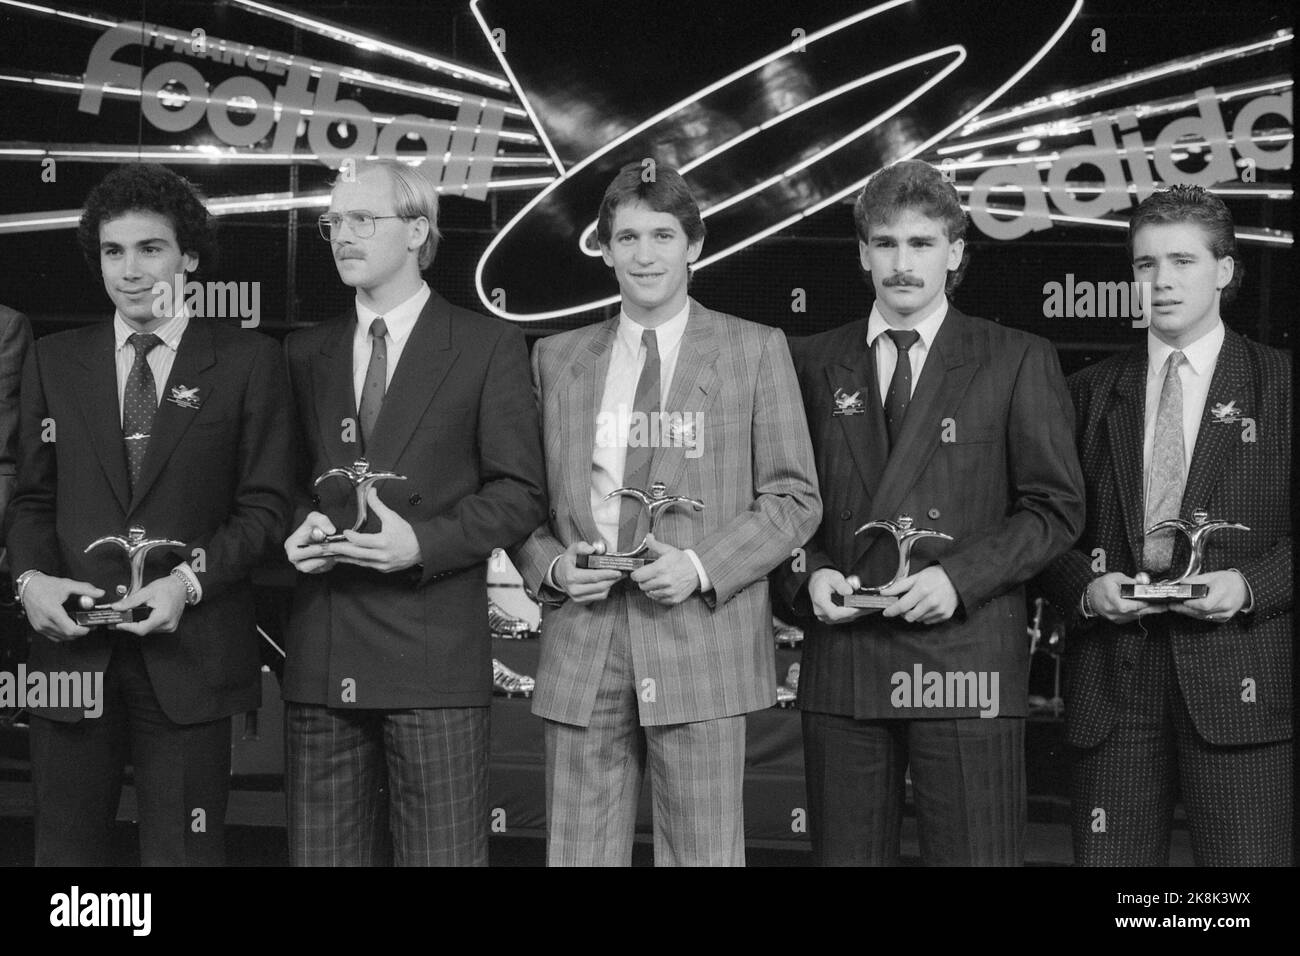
<point x="362" y="479"/>
<point x="906" y="537"/>
<point x="1176" y="588"/>
<point x="137" y="548"/>
<point x="656" y="502"/>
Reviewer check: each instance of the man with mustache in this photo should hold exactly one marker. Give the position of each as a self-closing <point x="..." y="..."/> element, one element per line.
<point x="388" y="671"/>
<point x="1191" y="696"/>
<point x="963" y="426"/>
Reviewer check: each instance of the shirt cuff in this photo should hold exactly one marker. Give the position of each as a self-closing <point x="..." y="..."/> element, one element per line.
<point x="1250" y="595"/>
<point x="705" y="583"/>
<point x="188" y="573"/>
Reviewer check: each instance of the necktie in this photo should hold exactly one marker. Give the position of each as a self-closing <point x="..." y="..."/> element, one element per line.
<point x="1165" y="483"/>
<point x="636" y="467"/>
<point x="139" y="404"/>
<point x="376" y="381"/>
<point x="900" y="386"/>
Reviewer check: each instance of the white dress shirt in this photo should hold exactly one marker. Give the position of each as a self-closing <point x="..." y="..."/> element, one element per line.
<point x="887" y="352"/>
<point x="1194" y="374"/>
<point x="399" y="321"/>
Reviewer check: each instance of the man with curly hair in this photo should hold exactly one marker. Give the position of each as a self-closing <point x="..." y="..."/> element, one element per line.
<point x="181" y="426"/>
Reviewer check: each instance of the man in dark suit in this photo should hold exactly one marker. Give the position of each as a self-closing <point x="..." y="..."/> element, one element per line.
<point x="15" y="340"/>
<point x="388" y="675"/>
<point x="963" y="426"/>
<point x="1191" y="696"/>
<point x="656" y="671"/>
<point x="102" y="451"/>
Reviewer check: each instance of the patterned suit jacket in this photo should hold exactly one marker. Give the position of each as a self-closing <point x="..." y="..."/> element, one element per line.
<point x="985" y="456"/>
<point x="1235" y="675"/>
<point x="712" y="655"/>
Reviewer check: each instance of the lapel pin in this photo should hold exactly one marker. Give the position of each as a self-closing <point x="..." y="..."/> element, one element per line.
<point x="184" y="397"/>
<point x="846" y="404"/>
<point x="1228" y="414"/>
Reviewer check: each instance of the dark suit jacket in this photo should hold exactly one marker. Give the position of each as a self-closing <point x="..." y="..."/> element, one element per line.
<point x="1233" y="478"/>
<point x="216" y="477"/>
<point x="459" y="422"/>
<point x="15" y="340"/>
<point x="986" y="456"/>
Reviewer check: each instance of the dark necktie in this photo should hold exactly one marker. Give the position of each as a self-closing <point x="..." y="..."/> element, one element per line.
<point x="376" y="382"/>
<point x="1168" y="474"/>
<point x="636" y="467"/>
<point x="900" y="386"/>
<point x="139" y="404"/>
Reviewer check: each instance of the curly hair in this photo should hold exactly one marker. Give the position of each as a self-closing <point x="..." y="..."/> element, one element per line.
<point x="1195" y="204"/>
<point x="149" y="187"/>
<point x="913" y="184"/>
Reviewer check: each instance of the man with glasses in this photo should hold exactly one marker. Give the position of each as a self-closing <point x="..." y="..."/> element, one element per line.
<point x="388" y="674"/>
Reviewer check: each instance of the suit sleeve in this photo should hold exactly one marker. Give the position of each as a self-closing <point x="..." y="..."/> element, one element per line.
<point x="534" y="556"/>
<point x="1269" y="575"/>
<point x="302" y="463"/>
<point x="790" y="578"/>
<point x="1045" y="484"/>
<point x="787" y="505"/>
<point x="15" y="340"/>
<point x="511" y="499"/>
<point x="259" y="515"/>
<point x="30" y="532"/>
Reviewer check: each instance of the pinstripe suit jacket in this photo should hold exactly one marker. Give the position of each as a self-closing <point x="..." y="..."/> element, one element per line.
<point x="1232" y="477"/>
<point x="712" y="655"/>
<point x="984" y="455"/>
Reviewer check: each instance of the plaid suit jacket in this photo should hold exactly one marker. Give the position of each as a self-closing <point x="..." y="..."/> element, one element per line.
<point x="1235" y="675"/>
<point x="712" y="655"/>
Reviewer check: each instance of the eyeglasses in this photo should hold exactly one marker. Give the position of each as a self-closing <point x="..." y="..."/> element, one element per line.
<point x="362" y="224"/>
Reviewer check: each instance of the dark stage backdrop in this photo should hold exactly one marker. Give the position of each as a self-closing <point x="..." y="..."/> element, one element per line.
<point x="632" y="67"/>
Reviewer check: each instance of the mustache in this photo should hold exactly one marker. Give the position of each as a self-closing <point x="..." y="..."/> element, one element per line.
<point x="895" y="281"/>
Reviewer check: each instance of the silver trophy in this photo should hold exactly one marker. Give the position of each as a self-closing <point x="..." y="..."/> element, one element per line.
<point x="656" y="502"/>
<point x="1198" y="530"/>
<point x="137" y="548"/>
<point x="906" y="538"/>
<point x="362" y="479"/>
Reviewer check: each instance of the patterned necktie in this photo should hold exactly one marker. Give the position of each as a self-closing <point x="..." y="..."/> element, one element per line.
<point x="139" y="404"/>
<point x="636" y="467"/>
<point x="1165" y="483"/>
<point x="376" y="382"/>
<point x="900" y="386"/>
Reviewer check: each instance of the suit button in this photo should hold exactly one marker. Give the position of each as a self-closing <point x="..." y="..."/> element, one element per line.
<point x="315" y="500"/>
<point x="932" y="513"/>
<point x="415" y="499"/>
<point x="554" y="514"/>
<point x="846" y="514"/>
<point x="1127" y="664"/>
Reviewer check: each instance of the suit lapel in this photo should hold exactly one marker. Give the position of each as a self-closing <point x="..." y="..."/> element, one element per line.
<point x="694" y="381"/>
<point x="97" y="393"/>
<point x="334" y="394"/>
<point x="426" y="359"/>
<point x="947" y="374"/>
<point x="864" y="434"/>
<point x="1215" y="440"/>
<point x="1124" y="428"/>
<point x="194" y="356"/>
<point x="580" y="404"/>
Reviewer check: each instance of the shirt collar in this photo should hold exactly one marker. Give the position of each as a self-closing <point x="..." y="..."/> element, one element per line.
<point x="667" y="335"/>
<point x="928" y="327"/>
<point x="170" y="331"/>
<point x="1201" y="354"/>
<point x="400" y="319"/>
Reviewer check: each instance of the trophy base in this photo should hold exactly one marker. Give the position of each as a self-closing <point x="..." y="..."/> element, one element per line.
<point x="610" y="562"/>
<point x="332" y="538"/>
<point x="867" y="602"/>
<point x="1171" y="591"/>
<point x="103" y="616"/>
